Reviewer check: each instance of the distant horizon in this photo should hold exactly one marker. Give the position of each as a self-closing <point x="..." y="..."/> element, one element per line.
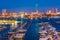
<point x="28" y="10"/>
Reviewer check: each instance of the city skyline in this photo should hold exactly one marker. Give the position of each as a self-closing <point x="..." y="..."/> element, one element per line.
<point x="29" y="10"/>
<point x="29" y="5"/>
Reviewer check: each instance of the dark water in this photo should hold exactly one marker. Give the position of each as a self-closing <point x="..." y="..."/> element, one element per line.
<point x="32" y="33"/>
<point x="55" y="25"/>
<point x="4" y="33"/>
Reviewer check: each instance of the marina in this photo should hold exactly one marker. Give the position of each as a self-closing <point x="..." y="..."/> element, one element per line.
<point x="34" y="26"/>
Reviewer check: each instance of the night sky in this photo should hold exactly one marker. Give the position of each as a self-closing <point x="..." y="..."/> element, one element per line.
<point x="28" y="5"/>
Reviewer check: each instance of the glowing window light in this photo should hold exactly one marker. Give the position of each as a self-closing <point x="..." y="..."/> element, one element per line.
<point x="22" y="15"/>
<point x="6" y="23"/>
<point x="26" y="13"/>
<point x="16" y="22"/>
<point x="49" y="11"/>
<point x="2" y="23"/>
<point x="58" y="13"/>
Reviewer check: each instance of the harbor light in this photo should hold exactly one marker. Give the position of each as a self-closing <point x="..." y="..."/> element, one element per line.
<point x="22" y="15"/>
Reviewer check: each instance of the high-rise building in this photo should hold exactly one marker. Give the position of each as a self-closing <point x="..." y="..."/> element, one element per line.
<point x="4" y="12"/>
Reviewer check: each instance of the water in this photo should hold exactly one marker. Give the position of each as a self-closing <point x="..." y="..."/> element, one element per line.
<point x="4" y="33"/>
<point x="32" y="33"/>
